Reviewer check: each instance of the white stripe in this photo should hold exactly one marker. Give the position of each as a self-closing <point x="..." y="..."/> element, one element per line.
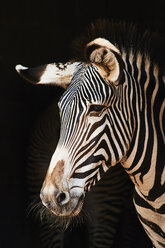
<point x="161" y="120"/>
<point x="150" y="176"/>
<point x="131" y="157"/>
<point x="147" y="67"/>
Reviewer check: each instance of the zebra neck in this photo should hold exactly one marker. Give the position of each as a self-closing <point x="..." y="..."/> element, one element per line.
<point x="145" y="154"/>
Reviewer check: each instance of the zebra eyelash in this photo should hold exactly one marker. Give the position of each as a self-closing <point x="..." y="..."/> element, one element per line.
<point x="96" y="109"/>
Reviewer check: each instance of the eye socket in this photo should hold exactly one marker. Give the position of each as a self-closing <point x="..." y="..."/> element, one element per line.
<point x="96" y="108"/>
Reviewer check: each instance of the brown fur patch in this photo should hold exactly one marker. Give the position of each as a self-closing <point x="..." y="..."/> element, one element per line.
<point x="57" y="173"/>
<point x="65" y="80"/>
<point x="55" y="177"/>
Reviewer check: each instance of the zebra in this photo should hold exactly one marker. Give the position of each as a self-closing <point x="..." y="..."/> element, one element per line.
<point x="108" y="199"/>
<point x="112" y="111"/>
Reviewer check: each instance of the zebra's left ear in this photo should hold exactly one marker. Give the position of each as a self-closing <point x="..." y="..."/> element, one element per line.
<point x="107" y="58"/>
<point x="56" y="73"/>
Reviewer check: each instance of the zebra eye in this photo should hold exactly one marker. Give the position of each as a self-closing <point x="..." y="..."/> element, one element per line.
<point x="96" y="108"/>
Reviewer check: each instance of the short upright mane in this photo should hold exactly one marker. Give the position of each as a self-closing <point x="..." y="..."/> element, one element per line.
<point x="125" y="36"/>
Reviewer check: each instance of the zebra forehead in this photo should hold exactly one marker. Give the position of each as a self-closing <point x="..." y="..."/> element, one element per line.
<point x="86" y="82"/>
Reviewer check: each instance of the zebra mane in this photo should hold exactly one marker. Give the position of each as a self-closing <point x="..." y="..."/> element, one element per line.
<point x="126" y="37"/>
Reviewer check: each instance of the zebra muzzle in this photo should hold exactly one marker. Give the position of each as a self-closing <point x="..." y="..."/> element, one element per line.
<point x="62" y="203"/>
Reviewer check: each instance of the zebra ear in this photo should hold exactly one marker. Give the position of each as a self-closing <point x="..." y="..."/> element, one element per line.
<point x="107" y="58"/>
<point x="57" y="73"/>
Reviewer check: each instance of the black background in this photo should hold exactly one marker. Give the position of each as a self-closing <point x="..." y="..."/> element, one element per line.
<point x="33" y="33"/>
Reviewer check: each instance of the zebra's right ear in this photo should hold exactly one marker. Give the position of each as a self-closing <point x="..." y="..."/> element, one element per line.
<point x="56" y="73"/>
<point x="107" y="58"/>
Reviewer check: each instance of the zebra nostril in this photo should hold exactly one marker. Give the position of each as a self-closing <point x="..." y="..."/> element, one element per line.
<point x="63" y="198"/>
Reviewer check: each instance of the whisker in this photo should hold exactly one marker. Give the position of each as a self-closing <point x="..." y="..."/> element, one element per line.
<point x="38" y="211"/>
<point x="42" y="213"/>
<point x="33" y="207"/>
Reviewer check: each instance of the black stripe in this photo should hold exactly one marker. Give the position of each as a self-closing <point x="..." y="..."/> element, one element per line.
<point x="82" y="175"/>
<point x="161" y="244"/>
<point x="152" y="225"/>
<point x="95" y="126"/>
<point x="142" y="203"/>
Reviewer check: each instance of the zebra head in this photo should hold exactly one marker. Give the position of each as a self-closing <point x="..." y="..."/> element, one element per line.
<point x="89" y="139"/>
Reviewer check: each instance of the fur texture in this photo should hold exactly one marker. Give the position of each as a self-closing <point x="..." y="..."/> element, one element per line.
<point x="126" y="37"/>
